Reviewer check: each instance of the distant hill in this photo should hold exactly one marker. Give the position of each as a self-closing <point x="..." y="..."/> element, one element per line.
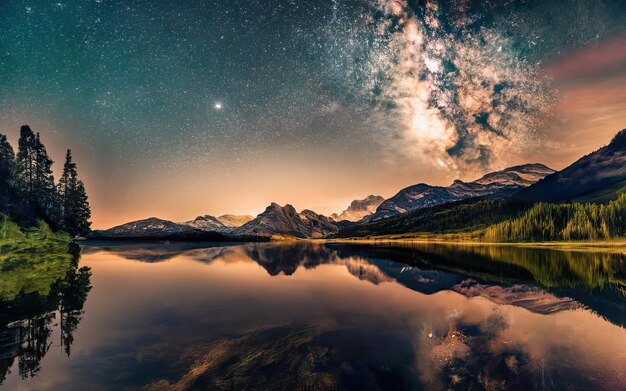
<point x="497" y="184"/>
<point x="284" y="220"/>
<point x="597" y="177"/>
<point x="359" y="209"/>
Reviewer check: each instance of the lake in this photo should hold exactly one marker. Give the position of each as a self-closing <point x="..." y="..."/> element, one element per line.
<point x="309" y="316"/>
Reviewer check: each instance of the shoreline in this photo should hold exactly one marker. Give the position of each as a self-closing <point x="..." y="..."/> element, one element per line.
<point x="614" y="246"/>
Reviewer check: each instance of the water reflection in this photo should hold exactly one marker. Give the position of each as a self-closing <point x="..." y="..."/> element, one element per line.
<point x="40" y="303"/>
<point x="310" y="316"/>
<point x="593" y="279"/>
<point x="538" y="279"/>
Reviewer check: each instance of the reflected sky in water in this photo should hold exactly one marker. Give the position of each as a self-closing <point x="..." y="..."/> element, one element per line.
<point x="309" y="316"/>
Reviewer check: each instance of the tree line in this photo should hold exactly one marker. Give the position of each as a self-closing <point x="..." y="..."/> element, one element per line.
<point x="571" y="221"/>
<point x="28" y="190"/>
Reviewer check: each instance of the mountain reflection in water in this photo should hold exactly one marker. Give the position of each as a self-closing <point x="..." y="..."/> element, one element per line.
<point x="293" y="316"/>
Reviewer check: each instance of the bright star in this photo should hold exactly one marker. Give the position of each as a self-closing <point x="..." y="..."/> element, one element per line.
<point x="218" y="106"/>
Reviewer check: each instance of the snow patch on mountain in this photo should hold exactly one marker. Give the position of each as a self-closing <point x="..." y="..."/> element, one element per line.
<point x="497" y="184"/>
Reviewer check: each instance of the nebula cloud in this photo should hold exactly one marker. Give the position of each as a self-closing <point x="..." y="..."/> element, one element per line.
<point x="455" y="91"/>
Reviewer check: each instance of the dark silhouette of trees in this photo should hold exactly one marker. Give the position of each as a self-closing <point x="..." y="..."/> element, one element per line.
<point x="44" y="192"/>
<point x="34" y="175"/>
<point x="36" y="345"/>
<point x="28" y="190"/>
<point x="25" y="162"/>
<point x="28" y="321"/>
<point x="75" y="211"/>
<point x="7" y="169"/>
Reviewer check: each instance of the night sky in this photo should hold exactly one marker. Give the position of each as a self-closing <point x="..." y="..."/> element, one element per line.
<point x="182" y="108"/>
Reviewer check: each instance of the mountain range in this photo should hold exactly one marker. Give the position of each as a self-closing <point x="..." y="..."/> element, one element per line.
<point x="596" y="177"/>
<point x="224" y="223"/>
<point x="154" y="227"/>
<point x="497" y="184"/>
<point x="284" y="221"/>
<point x="149" y="227"/>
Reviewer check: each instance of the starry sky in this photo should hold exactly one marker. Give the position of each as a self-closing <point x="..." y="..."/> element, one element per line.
<point x="181" y="108"/>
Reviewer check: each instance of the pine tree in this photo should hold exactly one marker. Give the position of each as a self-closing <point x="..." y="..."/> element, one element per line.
<point x="25" y="164"/>
<point x="74" y="203"/>
<point x="44" y="189"/>
<point x="7" y="169"/>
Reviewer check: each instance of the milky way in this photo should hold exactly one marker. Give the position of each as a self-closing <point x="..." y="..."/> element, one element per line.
<point x="448" y="87"/>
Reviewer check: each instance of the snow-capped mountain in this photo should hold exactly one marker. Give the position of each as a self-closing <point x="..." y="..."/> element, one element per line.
<point x="359" y="209"/>
<point x="224" y="223"/>
<point x="154" y="227"/>
<point x="497" y="184"/>
<point x="151" y="227"/>
<point x="234" y="220"/>
<point x="597" y="177"/>
<point x="285" y="220"/>
<point x="520" y="176"/>
<point x="206" y="223"/>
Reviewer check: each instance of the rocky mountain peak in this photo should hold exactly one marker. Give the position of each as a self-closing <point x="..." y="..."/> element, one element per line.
<point x="359" y="209"/>
<point x="278" y="210"/>
<point x="619" y="140"/>
<point x="285" y="220"/>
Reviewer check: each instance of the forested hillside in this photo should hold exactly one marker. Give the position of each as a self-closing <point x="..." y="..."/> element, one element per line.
<point x="571" y="221"/>
<point x="507" y="221"/>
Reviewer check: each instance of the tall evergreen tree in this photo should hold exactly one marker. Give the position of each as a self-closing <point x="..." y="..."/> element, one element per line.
<point x="74" y="202"/>
<point x="44" y="188"/>
<point x="34" y="179"/>
<point x="7" y="169"/>
<point x="25" y="163"/>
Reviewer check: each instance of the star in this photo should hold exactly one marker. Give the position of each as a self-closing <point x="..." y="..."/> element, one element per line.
<point x="218" y="106"/>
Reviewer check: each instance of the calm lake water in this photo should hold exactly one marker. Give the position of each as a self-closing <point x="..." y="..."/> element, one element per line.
<point x="323" y="317"/>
